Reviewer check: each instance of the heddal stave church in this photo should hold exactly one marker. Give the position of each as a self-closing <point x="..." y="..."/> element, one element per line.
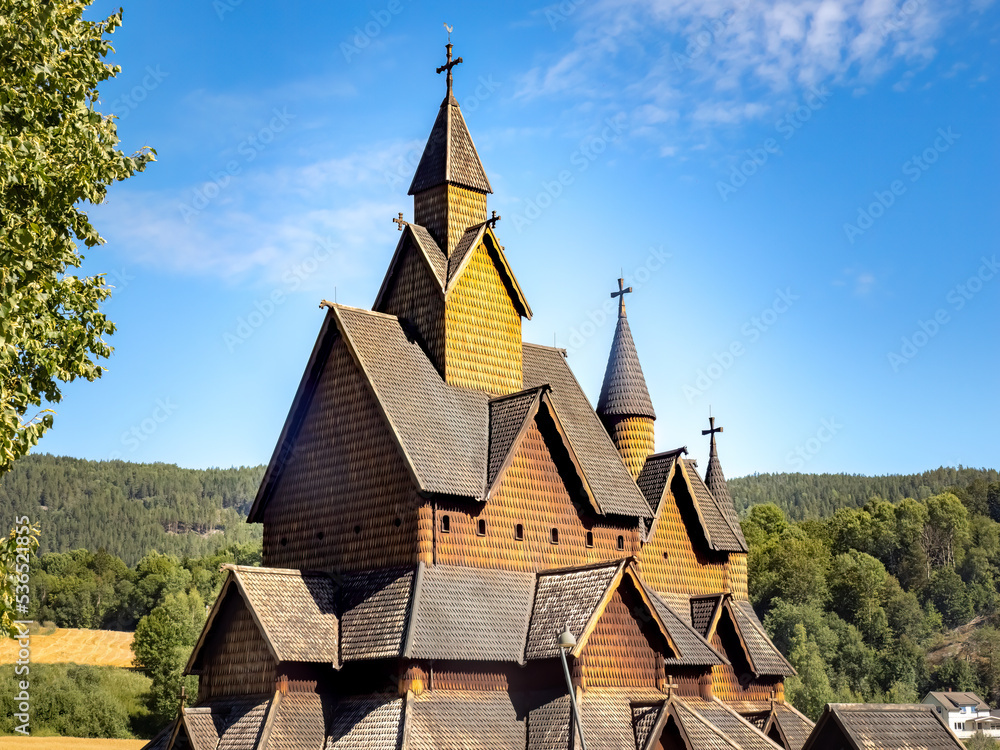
<point x="444" y="502"/>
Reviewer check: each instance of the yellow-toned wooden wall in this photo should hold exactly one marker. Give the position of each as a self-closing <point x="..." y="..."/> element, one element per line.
<point x="726" y="683"/>
<point x="345" y="500"/>
<point x="416" y="295"/>
<point x="621" y="650"/>
<point x="673" y="562"/>
<point x="633" y="437"/>
<point x="482" y="330"/>
<point x="533" y="493"/>
<point x="236" y="658"/>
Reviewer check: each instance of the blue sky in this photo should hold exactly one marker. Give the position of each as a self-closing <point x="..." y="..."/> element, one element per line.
<point x="803" y="195"/>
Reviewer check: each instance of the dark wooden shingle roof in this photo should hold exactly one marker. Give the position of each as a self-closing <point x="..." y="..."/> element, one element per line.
<point x="375" y="607"/>
<point x="721" y="524"/>
<point x="793" y="727"/>
<point x="624" y="392"/>
<point x="442" y="430"/>
<point x="470" y="614"/>
<point x="464" y="720"/>
<point x="763" y="654"/>
<point x="367" y="722"/>
<point x="863" y="726"/>
<point x="614" y="489"/>
<point x="567" y="599"/>
<point x="450" y="155"/>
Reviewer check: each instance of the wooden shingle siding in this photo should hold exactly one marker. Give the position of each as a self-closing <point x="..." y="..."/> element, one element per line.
<point x="237" y="660"/>
<point x="622" y="650"/>
<point x="415" y="295"/>
<point x="633" y="436"/>
<point x="533" y="493"/>
<point x="346" y="480"/>
<point x="482" y="330"/>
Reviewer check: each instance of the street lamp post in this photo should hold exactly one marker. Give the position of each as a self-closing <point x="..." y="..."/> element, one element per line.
<point x="566" y="642"/>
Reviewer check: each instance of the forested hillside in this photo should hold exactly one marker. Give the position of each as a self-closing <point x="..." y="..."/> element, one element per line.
<point x="806" y="496"/>
<point x="129" y="509"/>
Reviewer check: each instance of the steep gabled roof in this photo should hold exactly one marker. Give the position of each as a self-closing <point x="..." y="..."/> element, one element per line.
<point x="450" y="155"/>
<point x="654" y="479"/>
<point x="957" y="699"/>
<point x="464" y="720"/>
<point x="718" y="519"/>
<point x="419" y="239"/>
<point x="761" y="654"/>
<point x="575" y="598"/>
<point x="510" y="416"/>
<point x="735" y="726"/>
<point x="861" y="726"/>
<point x="375" y="609"/>
<point x="609" y="480"/>
<point x="793" y="728"/>
<point x="294" y="611"/>
<point x="366" y="722"/>
<point x="624" y="392"/>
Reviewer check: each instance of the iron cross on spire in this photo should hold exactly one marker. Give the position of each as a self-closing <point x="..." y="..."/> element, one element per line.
<point x="620" y="294"/>
<point x="712" y="429"/>
<point x="450" y="64"/>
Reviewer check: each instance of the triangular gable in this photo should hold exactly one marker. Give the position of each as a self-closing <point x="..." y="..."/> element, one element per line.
<point x="861" y="726"/>
<point x="697" y="732"/>
<point x="761" y="655"/>
<point x="440" y="431"/>
<point x="533" y="406"/>
<point x="417" y="239"/>
<point x="788" y="727"/>
<point x="612" y="484"/>
<point x="468" y="245"/>
<point x="224" y="724"/>
<point x="655" y="479"/>
<point x="705" y="612"/>
<point x="628" y="572"/>
<point x="721" y="529"/>
<point x="293" y="611"/>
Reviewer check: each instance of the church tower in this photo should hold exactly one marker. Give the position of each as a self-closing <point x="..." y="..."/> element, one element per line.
<point x="449" y="279"/>
<point x="624" y="405"/>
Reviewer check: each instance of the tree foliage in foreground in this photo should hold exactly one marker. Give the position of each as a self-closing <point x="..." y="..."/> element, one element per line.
<point x="57" y="153"/>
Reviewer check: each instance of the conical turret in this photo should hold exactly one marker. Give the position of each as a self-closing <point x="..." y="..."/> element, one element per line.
<point x="624" y="405"/>
<point x="714" y="477"/>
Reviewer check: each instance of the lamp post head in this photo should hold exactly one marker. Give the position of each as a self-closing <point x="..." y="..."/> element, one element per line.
<point x="566" y="640"/>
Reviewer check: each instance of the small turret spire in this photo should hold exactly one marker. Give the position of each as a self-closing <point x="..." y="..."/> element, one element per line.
<point x="714" y="477"/>
<point x="624" y="405"/>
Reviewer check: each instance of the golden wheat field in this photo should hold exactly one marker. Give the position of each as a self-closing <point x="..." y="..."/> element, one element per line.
<point x="67" y="743"/>
<point x="104" y="648"/>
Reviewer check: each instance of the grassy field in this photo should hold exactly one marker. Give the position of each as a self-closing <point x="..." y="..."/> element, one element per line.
<point x="102" y="648"/>
<point x="67" y="743"/>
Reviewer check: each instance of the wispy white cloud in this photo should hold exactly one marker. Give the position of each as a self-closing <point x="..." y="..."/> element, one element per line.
<point x="713" y="63"/>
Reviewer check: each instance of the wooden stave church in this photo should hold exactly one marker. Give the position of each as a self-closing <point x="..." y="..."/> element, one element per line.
<point x="443" y="501"/>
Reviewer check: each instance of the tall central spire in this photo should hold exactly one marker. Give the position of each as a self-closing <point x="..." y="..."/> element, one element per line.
<point x="450" y="186"/>
<point x="624" y="405"/>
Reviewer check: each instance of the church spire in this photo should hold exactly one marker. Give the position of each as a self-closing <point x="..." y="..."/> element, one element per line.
<point x="450" y="186"/>
<point x="624" y="405"/>
<point x="714" y="477"/>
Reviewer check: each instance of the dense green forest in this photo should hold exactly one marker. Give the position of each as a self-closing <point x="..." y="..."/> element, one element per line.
<point x="129" y="509"/>
<point x="806" y="496"/>
<point x="858" y="579"/>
